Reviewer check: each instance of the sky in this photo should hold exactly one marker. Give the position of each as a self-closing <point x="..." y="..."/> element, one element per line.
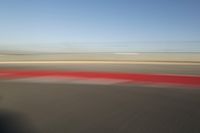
<point x="100" y="25"/>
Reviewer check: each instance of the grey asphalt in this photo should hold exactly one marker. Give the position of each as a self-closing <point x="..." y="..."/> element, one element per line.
<point x="128" y="68"/>
<point x="60" y="108"/>
<point x="78" y="108"/>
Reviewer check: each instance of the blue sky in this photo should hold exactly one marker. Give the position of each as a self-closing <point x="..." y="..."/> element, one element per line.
<point x="57" y="24"/>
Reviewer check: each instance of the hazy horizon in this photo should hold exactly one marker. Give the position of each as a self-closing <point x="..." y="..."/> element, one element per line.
<point x="100" y="25"/>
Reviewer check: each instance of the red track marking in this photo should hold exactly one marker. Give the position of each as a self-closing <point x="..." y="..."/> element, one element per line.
<point x="130" y="77"/>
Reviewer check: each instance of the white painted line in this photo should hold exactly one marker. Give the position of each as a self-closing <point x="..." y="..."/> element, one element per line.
<point x="96" y="62"/>
<point x="53" y="80"/>
<point x="44" y="80"/>
<point x="127" y="53"/>
<point x="99" y="81"/>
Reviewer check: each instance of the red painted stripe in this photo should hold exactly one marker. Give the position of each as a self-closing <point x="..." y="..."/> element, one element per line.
<point x="131" y="77"/>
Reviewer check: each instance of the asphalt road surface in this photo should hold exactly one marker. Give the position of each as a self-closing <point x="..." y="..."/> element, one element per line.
<point x="84" y="108"/>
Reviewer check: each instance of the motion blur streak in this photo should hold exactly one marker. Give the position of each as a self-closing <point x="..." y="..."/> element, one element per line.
<point x="99" y="66"/>
<point x="100" y="98"/>
<point x="130" y="77"/>
<point x="96" y="62"/>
